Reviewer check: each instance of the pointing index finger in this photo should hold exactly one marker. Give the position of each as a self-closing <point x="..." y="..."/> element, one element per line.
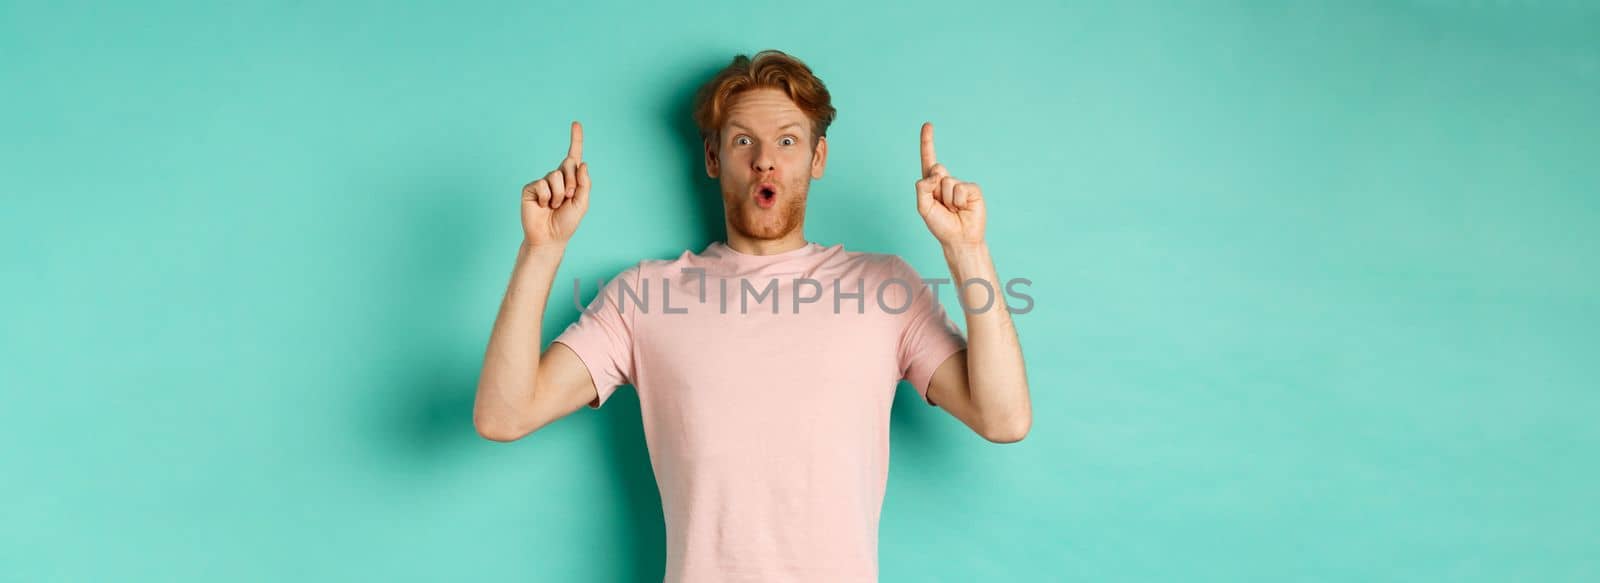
<point x="575" y="148"/>
<point x="928" y="157"/>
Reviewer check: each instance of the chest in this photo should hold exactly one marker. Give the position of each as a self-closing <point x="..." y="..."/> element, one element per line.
<point x="718" y="376"/>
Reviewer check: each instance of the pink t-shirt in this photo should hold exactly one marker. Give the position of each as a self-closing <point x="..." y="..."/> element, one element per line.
<point x="768" y="432"/>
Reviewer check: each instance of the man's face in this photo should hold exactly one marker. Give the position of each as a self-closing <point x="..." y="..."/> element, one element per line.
<point x="765" y="159"/>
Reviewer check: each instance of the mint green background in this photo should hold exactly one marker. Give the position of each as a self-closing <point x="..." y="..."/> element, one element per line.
<point x="1316" y="286"/>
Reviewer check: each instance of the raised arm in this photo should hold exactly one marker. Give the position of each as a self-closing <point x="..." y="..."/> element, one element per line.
<point x="519" y="389"/>
<point x="986" y="385"/>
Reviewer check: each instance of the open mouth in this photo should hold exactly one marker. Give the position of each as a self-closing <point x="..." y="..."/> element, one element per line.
<point x="766" y="195"/>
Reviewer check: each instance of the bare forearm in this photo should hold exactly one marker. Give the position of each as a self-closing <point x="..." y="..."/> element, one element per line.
<point x="995" y="370"/>
<point x="511" y="362"/>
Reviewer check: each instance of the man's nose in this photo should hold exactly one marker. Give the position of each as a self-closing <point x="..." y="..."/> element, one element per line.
<point x="763" y="161"/>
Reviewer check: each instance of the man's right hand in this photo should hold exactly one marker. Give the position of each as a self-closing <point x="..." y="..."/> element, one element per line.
<point x="552" y="206"/>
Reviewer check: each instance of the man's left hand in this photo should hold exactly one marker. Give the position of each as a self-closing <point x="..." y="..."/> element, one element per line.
<point x="952" y="208"/>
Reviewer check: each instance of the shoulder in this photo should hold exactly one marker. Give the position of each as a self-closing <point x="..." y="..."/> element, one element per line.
<point x="881" y="265"/>
<point x="654" y="267"/>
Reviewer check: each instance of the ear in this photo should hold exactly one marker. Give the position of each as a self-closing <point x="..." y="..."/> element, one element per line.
<point x="819" y="158"/>
<point x="711" y="157"/>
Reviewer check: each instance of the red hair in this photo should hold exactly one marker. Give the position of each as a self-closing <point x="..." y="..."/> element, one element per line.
<point x="767" y="70"/>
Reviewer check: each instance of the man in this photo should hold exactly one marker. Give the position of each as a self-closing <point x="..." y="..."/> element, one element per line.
<point x="765" y="399"/>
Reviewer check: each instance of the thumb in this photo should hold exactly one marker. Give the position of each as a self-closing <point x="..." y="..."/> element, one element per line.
<point x="581" y="196"/>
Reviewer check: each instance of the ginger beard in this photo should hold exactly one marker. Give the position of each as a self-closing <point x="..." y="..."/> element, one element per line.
<point x="784" y="200"/>
<point x="764" y="160"/>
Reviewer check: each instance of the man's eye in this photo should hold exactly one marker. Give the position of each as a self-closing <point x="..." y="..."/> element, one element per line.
<point x="787" y="141"/>
<point x="741" y="140"/>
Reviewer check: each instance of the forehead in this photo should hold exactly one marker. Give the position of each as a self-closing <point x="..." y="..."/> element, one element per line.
<point x="765" y="109"/>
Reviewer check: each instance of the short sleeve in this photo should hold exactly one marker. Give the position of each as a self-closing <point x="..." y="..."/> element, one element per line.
<point x="928" y="337"/>
<point x="603" y="337"/>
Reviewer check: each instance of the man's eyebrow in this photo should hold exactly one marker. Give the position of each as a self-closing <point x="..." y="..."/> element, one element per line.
<point x="783" y="127"/>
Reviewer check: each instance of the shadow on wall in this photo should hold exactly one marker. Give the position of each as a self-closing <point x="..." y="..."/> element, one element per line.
<point x="701" y="194"/>
<point x="428" y="386"/>
<point x="429" y="382"/>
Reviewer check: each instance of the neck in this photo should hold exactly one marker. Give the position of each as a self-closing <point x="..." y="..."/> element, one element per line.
<point x="751" y="246"/>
